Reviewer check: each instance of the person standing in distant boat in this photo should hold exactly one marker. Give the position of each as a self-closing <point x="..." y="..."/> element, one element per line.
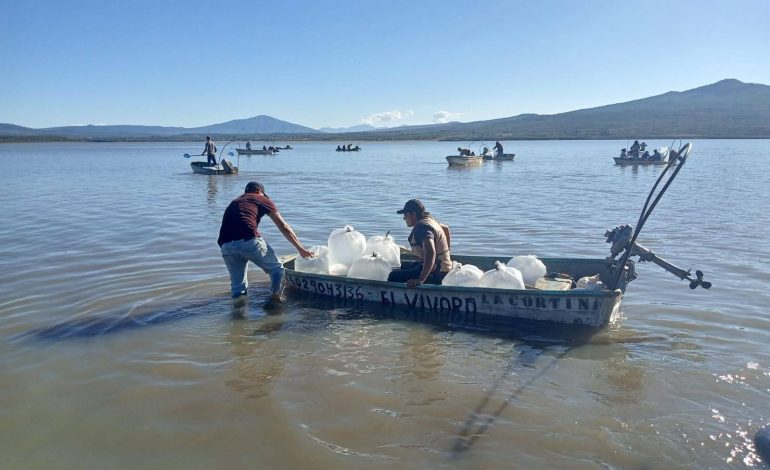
<point x="248" y="145"/>
<point x="429" y="241"/>
<point x="634" y="149"/>
<point x="210" y="150"/>
<point x="240" y="240"/>
<point x="498" y="149"/>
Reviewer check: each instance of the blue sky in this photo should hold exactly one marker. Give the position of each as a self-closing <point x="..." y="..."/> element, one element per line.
<point x="342" y="63"/>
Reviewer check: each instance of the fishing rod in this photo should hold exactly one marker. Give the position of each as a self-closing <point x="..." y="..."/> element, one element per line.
<point x="624" y="238"/>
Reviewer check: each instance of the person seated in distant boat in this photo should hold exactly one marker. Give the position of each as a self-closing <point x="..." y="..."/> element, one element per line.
<point x="429" y="241"/>
<point x="210" y="150"/>
<point x="339" y="149"/>
<point x="635" y="149"/>
<point x="498" y="149"/>
<point x="643" y="146"/>
<point x="248" y="145"/>
<point x="271" y="148"/>
<point x="646" y="155"/>
<point x="350" y="146"/>
<point x="463" y="152"/>
<point x="623" y="153"/>
<point x="656" y="156"/>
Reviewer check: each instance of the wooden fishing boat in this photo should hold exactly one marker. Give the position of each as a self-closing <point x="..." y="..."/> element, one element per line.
<point x="224" y="168"/>
<point x="352" y="149"/>
<point x="465" y="304"/>
<point x="255" y="152"/>
<point x="464" y="160"/>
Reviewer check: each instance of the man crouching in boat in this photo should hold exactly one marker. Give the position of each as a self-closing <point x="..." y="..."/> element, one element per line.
<point x="429" y="241"/>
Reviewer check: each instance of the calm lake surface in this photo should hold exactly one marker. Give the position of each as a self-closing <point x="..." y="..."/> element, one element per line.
<point x="119" y="348"/>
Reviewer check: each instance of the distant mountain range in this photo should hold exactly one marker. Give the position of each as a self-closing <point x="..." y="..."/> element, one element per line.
<point x="258" y="125"/>
<point x="726" y="109"/>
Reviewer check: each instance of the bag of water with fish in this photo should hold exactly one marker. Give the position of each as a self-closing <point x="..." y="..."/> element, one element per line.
<point x="502" y="277"/>
<point x="345" y="246"/>
<point x="386" y="246"/>
<point x="530" y="267"/>
<point x="462" y="275"/>
<point x="318" y="264"/>
<point x="373" y="267"/>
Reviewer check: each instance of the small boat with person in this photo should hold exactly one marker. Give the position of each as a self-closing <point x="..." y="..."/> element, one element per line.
<point x="347" y="148"/>
<point x="639" y="155"/>
<point x="223" y="168"/>
<point x="242" y="151"/>
<point x="555" y="299"/>
<point x="464" y="160"/>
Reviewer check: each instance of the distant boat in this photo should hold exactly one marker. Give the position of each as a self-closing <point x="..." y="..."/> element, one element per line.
<point x="254" y="152"/>
<point x="633" y="161"/>
<point x="501" y="158"/>
<point x="464" y="160"/>
<point x="345" y="149"/>
<point x="224" y="168"/>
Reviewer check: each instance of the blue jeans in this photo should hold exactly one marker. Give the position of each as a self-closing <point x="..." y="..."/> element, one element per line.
<point x="237" y="255"/>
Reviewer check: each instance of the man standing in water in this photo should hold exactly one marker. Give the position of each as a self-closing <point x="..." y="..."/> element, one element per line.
<point x="241" y="242"/>
<point x="210" y="150"/>
<point x="429" y="240"/>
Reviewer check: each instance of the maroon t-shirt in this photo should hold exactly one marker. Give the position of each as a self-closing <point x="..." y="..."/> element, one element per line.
<point x="242" y="217"/>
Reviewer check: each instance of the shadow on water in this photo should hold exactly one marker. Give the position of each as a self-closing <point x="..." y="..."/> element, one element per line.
<point x="111" y="323"/>
<point x="107" y="323"/>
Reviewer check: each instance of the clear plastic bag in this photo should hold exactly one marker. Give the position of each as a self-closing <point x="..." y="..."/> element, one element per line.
<point x="345" y="246"/>
<point x="463" y="275"/>
<point x="529" y="266"/>
<point x="387" y="247"/>
<point x="372" y="267"/>
<point x="502" y="277"/>
<point x="318" y="264"/>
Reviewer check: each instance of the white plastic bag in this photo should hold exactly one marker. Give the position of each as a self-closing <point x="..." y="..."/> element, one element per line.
<point x="345" y="246"/>
<point x="387" y="247"/>
<point x="590" y="283"/>
<point x="318" y="264"/>
<point x="502" y="277"/>
<point x="463" y="275"/>
<point x="372" y="267"/>
<point x="530" y="267"/>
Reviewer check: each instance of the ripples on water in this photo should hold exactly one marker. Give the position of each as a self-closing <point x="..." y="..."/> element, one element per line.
<point x="120" y="345"/>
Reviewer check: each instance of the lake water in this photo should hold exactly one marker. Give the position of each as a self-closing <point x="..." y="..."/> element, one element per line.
<point x="119" y="348"/>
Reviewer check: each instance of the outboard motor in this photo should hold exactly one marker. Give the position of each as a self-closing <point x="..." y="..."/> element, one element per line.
<point x="623" y="238"/>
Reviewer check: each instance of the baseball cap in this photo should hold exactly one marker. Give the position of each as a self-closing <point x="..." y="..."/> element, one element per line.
<point x="413" y="205"/>
<point x="253" y="186"/>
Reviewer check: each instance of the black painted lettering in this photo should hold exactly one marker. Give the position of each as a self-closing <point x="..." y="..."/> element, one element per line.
<point x="448" y="302"/>
<point x="413" y="301"/>
<point x="527" y="301"/>
<point x="456" y="303"/>
<point x="539" y="302"/>
<point x="582" y="304"/>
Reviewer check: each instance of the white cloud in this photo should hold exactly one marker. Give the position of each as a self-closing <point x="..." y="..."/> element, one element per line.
<point x="387" y="117"/>
<point x="441" y="117"/>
